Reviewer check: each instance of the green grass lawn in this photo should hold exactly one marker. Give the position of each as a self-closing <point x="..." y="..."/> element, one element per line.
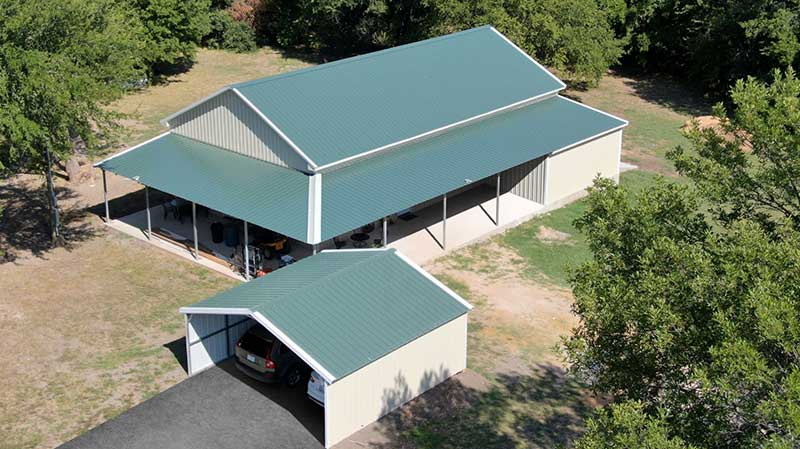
<point x="549" y="261"/>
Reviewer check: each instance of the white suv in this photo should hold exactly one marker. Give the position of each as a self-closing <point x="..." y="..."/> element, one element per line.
<point x="316" y="388"/>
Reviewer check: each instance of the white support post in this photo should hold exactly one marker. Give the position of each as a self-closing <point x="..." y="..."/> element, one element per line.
<point x="147" y="205"/>
<point x="444" y="222"/>
<point x="246" y="252"/>
<point x="194" y="229"/>
<point x="497" y="203"/>
<point x="314" y="249"/>
<point x="105" y="196"/>
<point x="385" y="233"/>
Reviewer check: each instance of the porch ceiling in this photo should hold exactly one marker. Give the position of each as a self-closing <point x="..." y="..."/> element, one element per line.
<point x="264" y="194"/>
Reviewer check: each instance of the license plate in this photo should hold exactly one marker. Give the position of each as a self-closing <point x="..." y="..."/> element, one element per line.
<point x="251" y="358"/>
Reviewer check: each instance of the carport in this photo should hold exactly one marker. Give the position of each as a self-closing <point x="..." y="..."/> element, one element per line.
<point x="375" y="326"/>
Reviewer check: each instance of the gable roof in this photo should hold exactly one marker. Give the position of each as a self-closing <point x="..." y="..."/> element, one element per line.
<point x="343" y="309"/>
<point x="337" y="111"/>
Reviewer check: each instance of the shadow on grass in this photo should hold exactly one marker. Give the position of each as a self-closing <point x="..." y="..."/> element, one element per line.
<point x="178" y="349"/>
<point x="25" y="220"/>
<point x="543" y="409"/>
<point x="667" y="92"/>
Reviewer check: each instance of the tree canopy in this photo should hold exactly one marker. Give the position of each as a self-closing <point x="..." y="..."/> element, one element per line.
<point x="59" y="66"/>
<point x="690" y="305"/>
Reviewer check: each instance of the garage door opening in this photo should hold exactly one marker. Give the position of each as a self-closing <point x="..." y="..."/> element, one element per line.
<point x="375" y="328"/>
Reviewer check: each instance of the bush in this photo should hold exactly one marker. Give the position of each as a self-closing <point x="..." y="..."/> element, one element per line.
<point x="228" y="34"/>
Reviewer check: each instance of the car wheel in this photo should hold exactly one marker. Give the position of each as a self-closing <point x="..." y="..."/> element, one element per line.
<point x="293" y="376"/>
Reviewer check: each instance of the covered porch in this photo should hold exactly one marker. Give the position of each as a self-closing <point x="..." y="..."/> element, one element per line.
<point x="422" y="232"/>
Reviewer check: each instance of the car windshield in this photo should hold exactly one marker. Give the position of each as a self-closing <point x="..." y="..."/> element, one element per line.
<point x="256" y="345"/>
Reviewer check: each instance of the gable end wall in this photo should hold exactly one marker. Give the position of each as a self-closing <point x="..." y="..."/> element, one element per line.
<point x="227" y="122"/>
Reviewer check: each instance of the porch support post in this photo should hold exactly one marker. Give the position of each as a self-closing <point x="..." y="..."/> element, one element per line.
<point x="385" y="233"/>
<point x="194" y="229"/>
<point x="497" y="203"/>
<point x="246" y="252"/>
<point x="105" y="196"/>
<point x="444" y="222"/>
<point x="314" y="249"/>
<point x="147" y="205"/>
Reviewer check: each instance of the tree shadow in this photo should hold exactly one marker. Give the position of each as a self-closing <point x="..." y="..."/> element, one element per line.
<point x="543" y="409"/>
<point x="25" y="220"/>
<point x="667" y="92"/>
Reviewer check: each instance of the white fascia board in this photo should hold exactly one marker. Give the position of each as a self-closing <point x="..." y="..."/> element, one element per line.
<point x="355" y="250"/>
<point x="312" y="165"/>
<point x="97" y="164"/>
<point x="314" y="234"/>
<point x="431" y="278"/>
<point x="588" y="139"/>
<point x="467" y="121"/>
<point x="563" y="86"/>
<point x="316" y="366"/>
<point x="594" y="109"/>
<point x="189" y="310"/>
<point x="165" y="121"/>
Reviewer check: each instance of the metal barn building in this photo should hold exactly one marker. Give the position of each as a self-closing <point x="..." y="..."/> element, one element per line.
<point x="376" y="327"/>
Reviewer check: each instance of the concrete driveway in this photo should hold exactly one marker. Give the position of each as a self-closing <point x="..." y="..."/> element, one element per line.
<point x="216" y="409"/>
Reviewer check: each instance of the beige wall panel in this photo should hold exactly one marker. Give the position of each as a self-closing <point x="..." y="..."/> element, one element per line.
<point x="389" y="382"/>
<point x="226" y="121"/>
<point x="573" y="170"/>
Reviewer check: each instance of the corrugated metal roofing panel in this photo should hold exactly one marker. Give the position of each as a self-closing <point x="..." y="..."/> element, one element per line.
<point x="346" y="308"/>
<point x="262" y="193"/>
<point x="341" y="109"/>
<point x="382" y="185"/>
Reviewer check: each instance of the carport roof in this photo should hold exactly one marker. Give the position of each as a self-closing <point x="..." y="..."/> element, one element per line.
<point x="343" y="308"/>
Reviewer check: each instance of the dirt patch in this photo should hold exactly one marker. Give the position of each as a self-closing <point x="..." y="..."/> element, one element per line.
<point x="710" y="122"/>
<point x="550" y="235"/>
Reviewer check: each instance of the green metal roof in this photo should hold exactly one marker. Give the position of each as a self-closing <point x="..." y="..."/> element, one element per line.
<point x="337" y="110"/>
<point x="379" y="186"/>
<point x="259" y="192"/>
<point x="345" y="308"/>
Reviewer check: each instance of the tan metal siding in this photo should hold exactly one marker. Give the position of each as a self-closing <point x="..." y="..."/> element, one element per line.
<point x="526" y="180"/>
<point x="573" y="170"/>
<point x="226" y="121"/>
<point x="389" y="382"/>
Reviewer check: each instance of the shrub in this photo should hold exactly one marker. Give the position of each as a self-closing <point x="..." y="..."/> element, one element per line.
<point x="228" y="34"/>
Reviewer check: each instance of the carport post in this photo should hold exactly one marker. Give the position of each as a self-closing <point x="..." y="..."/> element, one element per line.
<point x="194" y="229"/>
<point x="497" y="203"/>
<point x="105" y="196"/>
<point x="444" y="222"/>
<point x="385" y="233"/>
<point x="313" y="249"/>
<point x="246" y="254"/>
<point x="147" y="205"/>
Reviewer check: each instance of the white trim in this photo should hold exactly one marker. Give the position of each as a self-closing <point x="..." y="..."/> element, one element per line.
<point x="588" y="139"/>
<point x="546" y="179"/>
<point x="165" y="121"/>
<point x="97" y="164"/>
<point x="314" y="234"/>
<point x="325" y="417"/>
<point x="330" y="378"/>
<point x="518" y="104"/>
<point x="594" y="109"/>
<point x="308" y="160"/>
<point x="437" y="282"/>
<point x="563" y="86"/>
<point x="188" y="347"/>
<point x="188" y="310"/>
<point x="619" y="154"/>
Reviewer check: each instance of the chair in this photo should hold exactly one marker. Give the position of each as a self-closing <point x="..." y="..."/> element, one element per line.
<point x="339" y="243"/>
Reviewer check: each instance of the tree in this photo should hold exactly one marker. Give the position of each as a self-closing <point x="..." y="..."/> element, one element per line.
<point x="690" y="304"/>
<point x="575" y="36"/>
<point x="60" y="64"/>
<point x="174" y="29"/>
<point x="627" y="426"/>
